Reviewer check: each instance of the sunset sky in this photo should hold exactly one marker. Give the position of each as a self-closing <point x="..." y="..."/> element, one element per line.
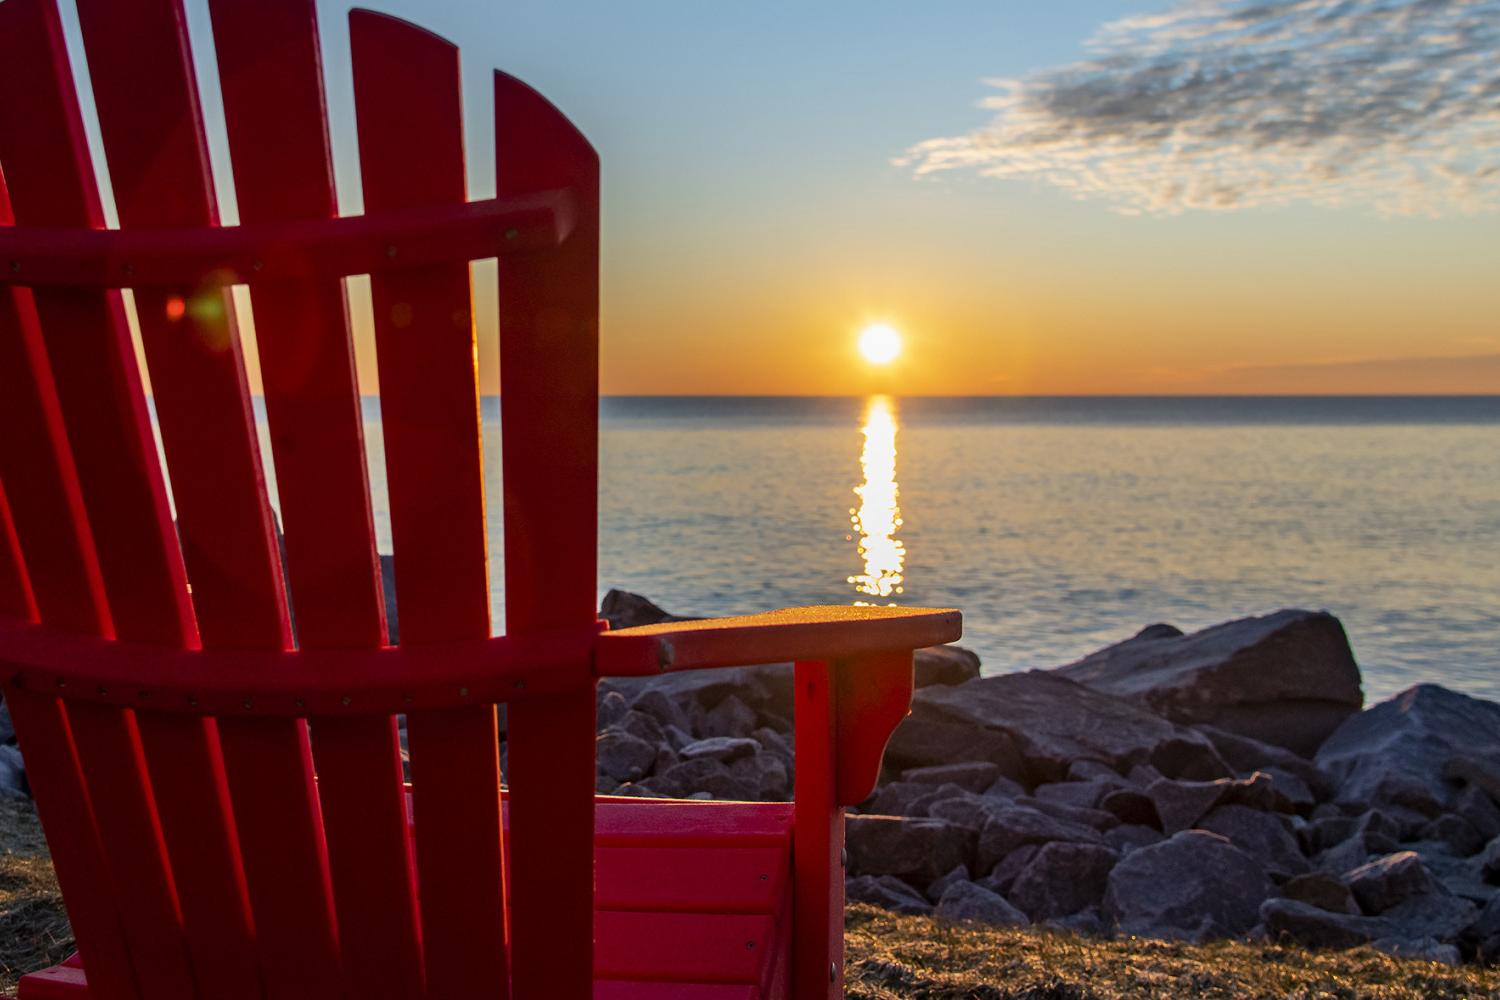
<point x="1111" y="196"/>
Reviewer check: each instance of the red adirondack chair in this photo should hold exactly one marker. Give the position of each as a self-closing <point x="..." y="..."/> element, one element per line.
<point x="225" y="806"/>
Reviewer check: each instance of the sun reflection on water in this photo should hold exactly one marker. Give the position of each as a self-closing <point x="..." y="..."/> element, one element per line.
<point x="877" y="519"/>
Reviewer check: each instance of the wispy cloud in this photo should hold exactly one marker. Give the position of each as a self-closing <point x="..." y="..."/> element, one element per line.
<point x="1222" y="104"/>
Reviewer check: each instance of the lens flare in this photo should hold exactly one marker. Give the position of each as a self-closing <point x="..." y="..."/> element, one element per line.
<point x="877" y="519"/>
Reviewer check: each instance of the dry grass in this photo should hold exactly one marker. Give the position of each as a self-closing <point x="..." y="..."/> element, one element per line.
<point x="895" y="956"/>
<point x="34" y="931"/>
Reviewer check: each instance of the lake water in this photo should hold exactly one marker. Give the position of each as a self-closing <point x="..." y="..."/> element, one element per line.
<point x="1060" y="525"/>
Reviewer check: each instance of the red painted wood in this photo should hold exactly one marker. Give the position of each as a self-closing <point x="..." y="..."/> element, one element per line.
<point x="196" y="257"/>
<point x="873" y="695"/>
<point x="818" y="840"/>
<point x="549" y="371"/>
<point x="142" y="570"/>
<point x="407" y="98"/>
<point x="773" y="637"/>
<point x="153" y="143"/>
<point x="692" y="947"/>
<point x="623" y="989"/>
<point x="15" y="589"/>
<point x="278" y="142"/>
<point x="252" y="683"/>
<point x="692" y="879"/>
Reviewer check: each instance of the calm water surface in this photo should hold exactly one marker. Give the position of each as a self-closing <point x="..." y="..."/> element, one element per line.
<point x="1059" y="525"/>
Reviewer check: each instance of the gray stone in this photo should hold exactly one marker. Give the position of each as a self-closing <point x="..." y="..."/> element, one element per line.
<point x="1053" y="722"/>
<point x="1246" y="755"/>
<point x="1129" y="837"/>
<point x="730" y="717"/>
<point x="1010" y="828"/>
<point x="898" y="799"/>
<point x="1096" y="818"/>
<point x="666" y="759"/>
<point x="1381" y="884"/>
<point x="623" y="609"/>
<point x="1063" y="879"/>
<point x="1321" y="890"/>
<point x="1425" y="949"/>
<point x="722" y="748"/>
<point x="642" y="726"/>
<point x="1287" y="678"/>
<point x="1479" y="809"/>
<point x="774" y="742"/>
<point x="7" y="728"/>
<point x="1180" y="804"/>
<point x="13" y="782"/>
<point x="965" y="901"/>
<point x="713" y="777"/>
<point x="1315" y="927"/>
<point x="1483" y="935"/>
<point x="1093" y="770"/>
<point x="968" y="811"/>
<point x="1478" y="769"/>
<point x="1009" y="868"/>
<point x="924" y="740"/>
<point x="1005" y="788"/>
<point x="974" y="775"/>
<point x="1454" y="831"/>
<point x="1260" y="835"/>
<point x="612" y="708"/>
<point x="1193" y="886"/>
<point x="1398" y="752"/>
<point x="1082" y="794"/>
<point x="1437" y="914"/>
<point x="885" y="891"/>
<point x="948" y="665"/>
<point x="622" y="756"/>
<point x="935" y="890"/>
<point x="1132" y="807"/>
<point x="916" y="850"/>
<point x="1489" y="860"/>
<point x="1292" y="789"/>
<point x="655" y="703"/>
<point x="766" y="774"/>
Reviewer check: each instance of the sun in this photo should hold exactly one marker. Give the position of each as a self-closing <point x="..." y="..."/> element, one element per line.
<point x="880" y="343"/>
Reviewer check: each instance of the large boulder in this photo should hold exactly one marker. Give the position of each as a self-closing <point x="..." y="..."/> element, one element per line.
<point x="915" y="850"/>
<point x="1051" y="722"/>
<point x="886" y="891"/>
<point x="1009" y="828"/>
<point x="1399" y="754"/>
<point x="1063" y="879"/>
<point x="948" y="665"/>
<point x="1193" y="886"/>
<point x="964" y="901"/>
<point x="1261" y="835"/>
<point x="1287" y="678"/>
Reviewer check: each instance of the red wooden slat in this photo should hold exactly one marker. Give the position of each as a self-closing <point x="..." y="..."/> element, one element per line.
<point x="624" y="989"/>
<point x="692" y="879"/>
<point x="691" y="947"/>
<point x="407" y="99"/>
<point x="153" y="141"/>
<point x="549" y="347"/>
<point x="818" y="877"/>
<point x="270" y="69"/>
<point x="15" y="589"/>
<point x="142" y="569"/>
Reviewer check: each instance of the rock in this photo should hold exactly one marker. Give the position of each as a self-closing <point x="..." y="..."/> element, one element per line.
<point x="677" y="738"/>
<point x="897" y="798"/>
<point x="940" y="885"/>
<point x="612" y="708"/>
<point x="916" y="850"/>
<point x="1460" y="876"/>
<point x="1005" y="788"/>
<point x="1180" y="804"/>
<point x="1480" y="770"/>
<point x="1010" y="828"/>
<point x="1425" y="949"/>
<point x="1381" y="884"/>
<point x="966" y="901"/>
<point x="1193" y="886"/>
<point x="767" y="689"/>
<point x="1291" y="789"/>
<point x="1260" y="835"/>
<point x="1246" y="755"/>
<point x="1096" y="818"/>
<point x="1129" y="837"/>
<point x="886" y="891"/>
<point x="1321" y="890"/>
<point x="7" y="728"/>
<point x="666" y="759"/>
<point x="706" y="775"/>
<point x="655" y="703"/>
<point x="926" y="740"/>
<point x="968" y="811"/>
<point x="766" y="774"/>
<point x="1093" y="770"/>
<point x="643" y="726"/>
<point x="1319" y="928"/>
<point x="946" y="665"/>
<point x="1479" y="809"/>
<point x="722" y="748"/>
<point x="1009" y="868"/>
<point x="1053" y="722"/>
<point x="622" y="756"/>
<point x="1483" y="936"/>
<point x="1286" y="678"/>
<point x="1489" y="860"/>
<point x="622" y="609"/>
<point x="1398" y="752"/>
<point x="974" y="775"/>
<point x="13" y="782"/>
<point x="1437" y="914"/>
<point x="730" y="717"/>
<point x="774" y="742"/>
<point x="1080" y="794"/>
<point x="1455" y="831"/>
<point x="1062" y="879"/>
<point x="1132" y="807"/>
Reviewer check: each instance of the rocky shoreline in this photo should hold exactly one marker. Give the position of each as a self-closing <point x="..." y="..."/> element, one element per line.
<point x="1223" y="784"/>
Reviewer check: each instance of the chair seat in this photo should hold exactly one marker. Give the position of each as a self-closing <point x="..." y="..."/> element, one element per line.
<point x="692" y="902"/>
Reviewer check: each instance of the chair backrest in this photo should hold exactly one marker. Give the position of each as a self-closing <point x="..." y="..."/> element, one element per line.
<point x="271" y="853"/>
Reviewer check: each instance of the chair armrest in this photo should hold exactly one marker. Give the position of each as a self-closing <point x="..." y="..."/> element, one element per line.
<point x="816" y="633"/>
